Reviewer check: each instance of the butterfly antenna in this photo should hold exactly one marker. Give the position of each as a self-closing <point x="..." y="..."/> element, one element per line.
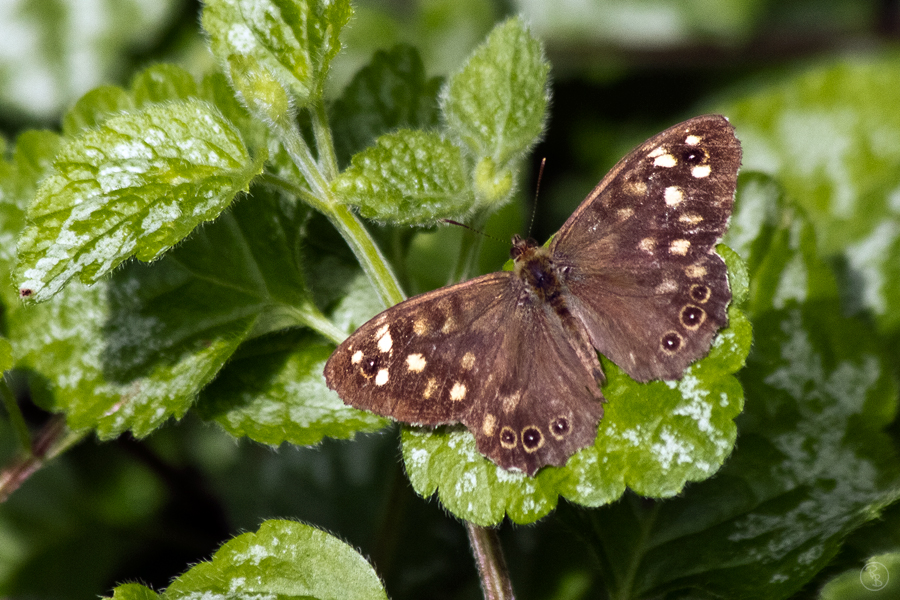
<point x="537" y="189"/>
<point x="463" y="225"/>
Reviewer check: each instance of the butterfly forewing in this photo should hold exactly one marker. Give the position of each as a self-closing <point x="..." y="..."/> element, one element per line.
<point x="424" y="361"/>
<point x="639" y="251"/>
<point x="632" y="273"/>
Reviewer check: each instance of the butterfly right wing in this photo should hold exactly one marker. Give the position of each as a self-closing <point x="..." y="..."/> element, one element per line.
<point x="639" y="253"/>
<point x="480" y="353"/>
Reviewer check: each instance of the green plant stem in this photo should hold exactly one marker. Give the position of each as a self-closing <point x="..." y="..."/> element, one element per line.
<point x="492" y="571"/>
<point x="15" y="416"/>
<point x="309" y="314"/>
<point x="320" y="197"/>
<point x="53" y="439"/>
<point x="324" y="141"/>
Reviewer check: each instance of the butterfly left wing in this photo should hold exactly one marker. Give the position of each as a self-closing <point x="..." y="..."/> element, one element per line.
<point x="419" y="361"/>
<point x="638" y="254"/>
<point x="484" y="354"/>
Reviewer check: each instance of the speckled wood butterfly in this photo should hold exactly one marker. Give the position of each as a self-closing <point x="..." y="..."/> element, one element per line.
<point x="511" y="355"/>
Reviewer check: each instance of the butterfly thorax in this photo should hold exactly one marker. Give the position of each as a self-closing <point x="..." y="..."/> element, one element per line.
<point x="534" y="267"/>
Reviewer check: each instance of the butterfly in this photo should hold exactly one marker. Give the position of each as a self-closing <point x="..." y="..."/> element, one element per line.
<point x="512" y="355"/>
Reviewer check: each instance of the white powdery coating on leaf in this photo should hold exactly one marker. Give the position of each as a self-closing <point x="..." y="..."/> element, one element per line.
<point x="131" y="149"/>
<point x="505" y="476"/>
<point x="671" y="448"/>
<point x="160" y="214"/>
<point x="815" y="450"/>
<point x="867" y="257"/>
<point x="635" y="435"/>
<point x="240" y="39"/>
<point x="698" y="407"/>
<point x="418" y="458"/>
<point x="466" y="484"/>
<point x="202" y="208"/>
<point x="132" y="155"/>
<point x="255" y="554"/>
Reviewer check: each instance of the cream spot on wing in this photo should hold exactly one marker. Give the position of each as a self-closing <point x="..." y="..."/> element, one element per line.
<point x="695" y="271"/>
<point x="457" y="392"/>
<point x="625" y="213"/>
<point x="356" y="358"/>
<point x="420" y="327"/>
<point x="382" y="377"/>
<point x="415" y="363"/>
<point x="679" y="247"/>
<point x="468" y="361"/>
<point x="656" y="152"/>
<point x="488" y="425"/>
<point x="449" y="324"/>
<point x="385" y="343"/>
<point x="647" y="245"/>
<point x="692" y="140"/>
<point x="635" y="188"/>
<point x="381" y="331"/>
<point x="430" y="386"/>
<point x="673" y="195"/>
<point x="701" y="171"/>
<point x="690" y="218"/>
<point x="667" y="287"/>
<point x="510" y="402"/>
<point x="666" y="160"/>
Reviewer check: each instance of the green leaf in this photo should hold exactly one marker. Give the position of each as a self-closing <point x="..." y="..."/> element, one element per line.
<point x="391" y="92"/>
<point x="65" y="346"/>
<point x="779" y="244"/>
<point x="812" y="463"/>
<point x="133" y="591"/>
<point x="272" y="392"/>
<point x="161" y="83"/>
<point x="829" y="136"/>
<point x="95" y="107"/>
<point x="408" y="177"/>
<point x="876" y="580"/>
<point x="260" y="91"/>
<point x="653" y="438"/>
<point x="496" y="104"/>
<point x="294" y="39"/>
<point x="284" y="559"/>
<point x="136" y="185"/>
<point x="215" y="89"/>
<point x="137" y="349"/>
<point x="6" y="355"/>
<point x="32" y="158"/>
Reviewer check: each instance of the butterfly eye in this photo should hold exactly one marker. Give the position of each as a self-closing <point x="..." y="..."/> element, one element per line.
<point x="692" y="317"/>
<point x="694" y="156"/>
<point x="671" y="342"/>
<point x="532" y="439"/>
<point x="559" y="427"/>
<point x="700" y="293"/>
<point x="507" y="438"/>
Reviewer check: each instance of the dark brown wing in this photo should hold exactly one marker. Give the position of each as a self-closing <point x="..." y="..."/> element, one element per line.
<point x="481" y="353"/>
<point x="638" y="254"/>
